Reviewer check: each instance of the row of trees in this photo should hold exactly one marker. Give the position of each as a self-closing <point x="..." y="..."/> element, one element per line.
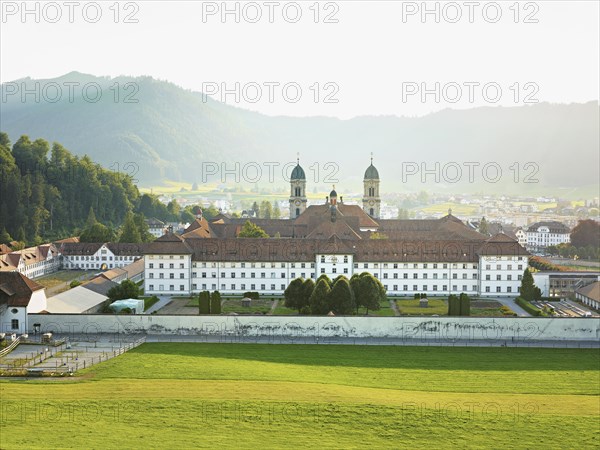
<point x="340" y="296"/>
<point x="209" y="303"/>
<point x="266" y="210"/>
<point x="590" y="252"/>
<point x="459" y="305"/>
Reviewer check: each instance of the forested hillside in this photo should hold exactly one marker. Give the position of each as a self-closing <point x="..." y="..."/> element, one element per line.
<point x="47" y="193"/>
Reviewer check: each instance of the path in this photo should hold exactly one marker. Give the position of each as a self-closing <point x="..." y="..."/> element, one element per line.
<point x="274" y="304"/>
<point x="161" y="303"/>
<point x="510" y="302"/>
<point x="394" y="307"/>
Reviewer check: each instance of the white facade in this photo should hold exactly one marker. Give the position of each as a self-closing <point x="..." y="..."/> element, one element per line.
<point x="543" y="237"/>
<point x="102" y="259"/>
<point x="495" y="276"/>
<point x="14" y="318"/>
<point x="167" y="274"/>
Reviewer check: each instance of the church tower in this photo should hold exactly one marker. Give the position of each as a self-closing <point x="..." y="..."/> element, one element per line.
<point x="371" y="199"/>
<point x="298" y="191"/>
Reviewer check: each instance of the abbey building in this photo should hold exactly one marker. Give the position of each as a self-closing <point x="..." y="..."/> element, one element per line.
<point x="437" y="257"/>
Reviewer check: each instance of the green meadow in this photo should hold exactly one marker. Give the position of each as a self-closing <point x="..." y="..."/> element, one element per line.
<point x="185" y="395"/>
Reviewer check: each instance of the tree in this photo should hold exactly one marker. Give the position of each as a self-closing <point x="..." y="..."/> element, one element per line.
<point x="142" y="226"/>
<point x="325" y="278"/>
<point x="403" y="214"/>
<point x="174" y="210"/>
<point x="465" y="305"/>
<point x="294" y="295"/>
<point x="276" y="211"/>
<point x="204" y="303"/>
<point x="96" y="233"/>
<point x="215" y="303"/>
<point x="91" y="218"/>
<point x="483" y="226"/>
<point x="368" y="291"/>
<point x="127" y="289"/>
<point x="307" y="289"/>
<point x="527" y="286"/>
<point x="130" y="232"/>
<point x="377" y="235"/>
<point x="340" y="299"/>
<point x="256" y="209"/>
<point x="453" y="306"/>
<point x="5" y="237"/>
<point x="586" y="232"/>
<point x="266" y="210"/>
<point x="318" y="299"/>
<point x="251" y="230"/>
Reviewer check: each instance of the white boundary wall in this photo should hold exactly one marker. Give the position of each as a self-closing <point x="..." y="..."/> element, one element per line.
<point x="301" y="327"/>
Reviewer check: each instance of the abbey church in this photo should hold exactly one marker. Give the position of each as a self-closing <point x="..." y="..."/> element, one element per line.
<point x="437" y="257"/>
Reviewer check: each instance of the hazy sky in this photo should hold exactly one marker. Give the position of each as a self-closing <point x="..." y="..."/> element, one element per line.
<point x="375" y="53"/>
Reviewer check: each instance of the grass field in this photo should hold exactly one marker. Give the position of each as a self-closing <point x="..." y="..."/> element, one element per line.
<point x="411" y="307"/>
<point x="273" y="396"/>
<point x="62" y="277"/>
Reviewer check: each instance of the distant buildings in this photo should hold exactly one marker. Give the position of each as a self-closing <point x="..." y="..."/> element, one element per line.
<point x="542" y="235"/>
<point x="32" y="262"/>
<point x="156" y="227"/>
<point x="99" y="256"/>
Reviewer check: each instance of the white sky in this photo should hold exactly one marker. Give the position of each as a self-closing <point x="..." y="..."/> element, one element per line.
<point x="368" y="54"/>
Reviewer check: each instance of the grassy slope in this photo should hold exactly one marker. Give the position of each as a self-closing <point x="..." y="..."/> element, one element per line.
<point x="337" y="396"/>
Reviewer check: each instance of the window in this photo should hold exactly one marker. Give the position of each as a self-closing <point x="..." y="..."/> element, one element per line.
<point x="243" y="286"/>
<point x="415" y="287"/>
<point x="487" y="289"/>
<point x="161" y="275"/>
<point x="498" y="289"/>
<point x="171" y="275"/>
<point x="435" y="275"/>
<point x="263" y="275"/>
<point x="435" y="287"/>
<point x="415" y="276"/>
<point x="488" y="267"/>
<point x="272" y="287"/>
<point x="322" y="270"/>
<point x="509" y="267"/>
<point x="395" y="287"/>
<point x="194" y="275"/>
<point x="424" y="266"/>
<point x="464" y="276"/>
<point x="346" y="259"/>
<point x="346" y="270"/>
<point x="151" y="265"/>
<point x="520" y="266"/>
<point x="424" y="287"/>
<point x="424" y="276"/>
<point x="395" y="275"/>
<point x="454" y="287"/>
<point x="293" y="274"/>
<point x="222" y="274"/>
<point x="405" y="276"/>
<point x="262" y="287"/>
<point x="172" y="287"/>
<point x="334" y="270"/>
<point x="233" y="287"/>
<point x="161" y="266"/>
<point x="498" y="277"/>
<point x="171" y="266"/>
<point x="181" y="287"/>
<point x="508" y="289"/>
<point x="445" y="266"/>
<point x="222" y="287"/>
<point x="283" y="287"/>
<point x="509" y="277"/>
<point x="498" y="266"/>
<point x="520" y="277"/>
<point x="405" y="287"/>
<point x="322" y="259"/>
<point x="181" y="275"/>
<point x="232" y="274"/>
<point x="151" y="275"/>
<point x="445" y="287"/>
<point x="488" y="278"/>
<point x="464" y="266"/>
<point x="282" y="274"/>
<point x="474" y="276"/>
<point x="151" y="287"/>
<point x="454" y="276"/>
<point x="385" y="275"/>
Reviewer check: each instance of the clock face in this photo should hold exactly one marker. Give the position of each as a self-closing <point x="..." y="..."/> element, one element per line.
<point x="372" y="202"/>
<point x="298" y="202"/>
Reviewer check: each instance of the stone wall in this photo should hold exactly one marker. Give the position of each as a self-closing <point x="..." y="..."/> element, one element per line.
<point x="302" y="327"/>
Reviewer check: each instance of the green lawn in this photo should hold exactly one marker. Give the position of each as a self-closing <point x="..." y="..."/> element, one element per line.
<point x="411" y="307"/>
<point x="274" y="396"/>
<point x="149" y="301"/>
<point x="62" y="277"/>
<point x="260" y="306"/>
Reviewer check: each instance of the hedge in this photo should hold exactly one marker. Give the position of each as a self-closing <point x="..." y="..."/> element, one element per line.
<point x="252" y="295"/>
<point x="533" y="310"/>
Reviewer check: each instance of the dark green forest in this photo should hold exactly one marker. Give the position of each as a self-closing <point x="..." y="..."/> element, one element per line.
<point x="47" y="193"/>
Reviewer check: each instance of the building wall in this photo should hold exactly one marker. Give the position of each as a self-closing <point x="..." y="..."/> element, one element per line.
<point x="272" y="278"/>
<point x="328" y="329"/>
<point x="11" y="313"/>
<point x="94" y="262"/>
<point x="167" y="274"/>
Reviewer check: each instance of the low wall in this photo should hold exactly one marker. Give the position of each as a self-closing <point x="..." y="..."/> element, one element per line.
<point x="438" y="328"/>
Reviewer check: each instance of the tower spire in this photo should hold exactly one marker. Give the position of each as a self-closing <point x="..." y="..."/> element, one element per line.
<point x="371" y="158"/>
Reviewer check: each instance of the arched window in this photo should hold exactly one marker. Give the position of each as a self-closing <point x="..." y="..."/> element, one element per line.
<point x="372" y="212"/>
<point x="298" y="192"/>
<point x="297" y="212"/>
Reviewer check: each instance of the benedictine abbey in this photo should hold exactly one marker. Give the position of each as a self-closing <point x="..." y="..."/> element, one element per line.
<point x="437" y="257"/>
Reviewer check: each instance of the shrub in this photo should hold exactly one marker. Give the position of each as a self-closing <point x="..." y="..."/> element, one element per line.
<point x="74" y="283"/>
<point x="252" y="295"/>
<point x="533" y="310"/>
<point x="423" y="295"/>
<point x="453" y="306"/>
<point x="215" y="303"/>
<point x="417" y="296"/>
<point x="204" y="302"/>
<point x="465" y="305"/>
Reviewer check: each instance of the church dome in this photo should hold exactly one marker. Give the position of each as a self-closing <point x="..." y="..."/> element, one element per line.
<point x="371" y="173"/>
<point x="333" y="194"/>
<point x="298" y="173"/>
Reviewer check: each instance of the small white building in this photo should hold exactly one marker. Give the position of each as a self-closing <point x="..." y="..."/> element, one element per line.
<point x="590" y="295"/>
<point x="156" y="227"/>
<point x="19" y="296"/>
<point x="33" y="262"/>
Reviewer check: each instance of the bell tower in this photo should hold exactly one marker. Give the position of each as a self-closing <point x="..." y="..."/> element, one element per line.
<point x="297" y="191"/>
<point x="371" y="199"/>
